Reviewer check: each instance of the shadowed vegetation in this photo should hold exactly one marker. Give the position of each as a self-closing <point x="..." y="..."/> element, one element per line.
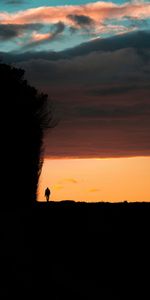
<point x="25" y="115"/>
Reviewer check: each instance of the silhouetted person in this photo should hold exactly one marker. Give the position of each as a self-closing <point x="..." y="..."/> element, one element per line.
<point x="47" y="194"/>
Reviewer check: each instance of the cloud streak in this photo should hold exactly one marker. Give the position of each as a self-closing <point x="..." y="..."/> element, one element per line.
<point x="68" y="180"/>
<point x="94" y="190"/>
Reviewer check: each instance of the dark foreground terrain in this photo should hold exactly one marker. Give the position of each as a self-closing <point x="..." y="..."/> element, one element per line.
<point x="68" y="250"/>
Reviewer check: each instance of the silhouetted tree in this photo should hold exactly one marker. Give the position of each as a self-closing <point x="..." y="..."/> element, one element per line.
<point x="24" y="117"/>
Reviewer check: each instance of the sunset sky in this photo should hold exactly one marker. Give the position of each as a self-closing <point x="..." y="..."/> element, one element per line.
<point x="92" y="58"/>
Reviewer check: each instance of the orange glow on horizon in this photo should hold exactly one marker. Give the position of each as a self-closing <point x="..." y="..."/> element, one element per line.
<point x="93" y="180"/>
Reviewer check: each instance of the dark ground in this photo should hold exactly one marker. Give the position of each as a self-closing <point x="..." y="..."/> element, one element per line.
<point x="69" y="250"/>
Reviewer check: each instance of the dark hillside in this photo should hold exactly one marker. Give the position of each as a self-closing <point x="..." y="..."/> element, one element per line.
<point x="92" y="251"/>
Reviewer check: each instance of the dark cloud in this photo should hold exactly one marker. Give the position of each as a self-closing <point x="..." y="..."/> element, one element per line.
<point x="102" y="96"/>
<point x="140" y="41"/>
<point x="9" y="31"/>
<point x="98" y="71"/>
<point x="14" y="1"/>
<point x="114" y="90"/>
<point x="73" y="29"/>
<point x="136" y="22"/>
<point x="114" y="111"/>
<point x="137" y="40"/>
<point x="99" y="139"/>
<point x="81" y="20"/>
<point x="14" y="57"/>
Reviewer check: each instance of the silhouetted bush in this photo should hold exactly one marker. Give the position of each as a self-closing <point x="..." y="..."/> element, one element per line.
<point x="24" y="117"/>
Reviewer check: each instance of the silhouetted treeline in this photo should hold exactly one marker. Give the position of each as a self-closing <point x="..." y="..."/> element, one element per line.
<point x="24" y="117"/>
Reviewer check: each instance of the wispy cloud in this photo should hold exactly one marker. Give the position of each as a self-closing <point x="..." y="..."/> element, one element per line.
<point x="79" y="15"/>
<point x="68" y="180"/>
<point x="57" y="187"/>
<point x="39" y="37"/>
<point x="98" y="11"/>
<point x="94" y="190"/>
<point x="62" y="183"/>
<point x="42" y="38"/>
